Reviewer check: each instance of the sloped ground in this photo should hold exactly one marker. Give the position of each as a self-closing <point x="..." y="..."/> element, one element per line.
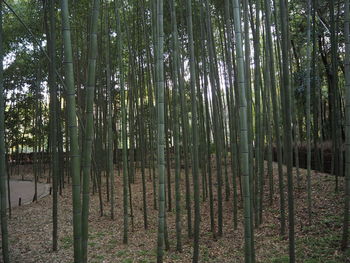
<point x="31" y="226"/>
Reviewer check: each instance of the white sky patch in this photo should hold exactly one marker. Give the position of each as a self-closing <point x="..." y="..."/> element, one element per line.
<point x="11" y="56"/>
<point x="9" y="59"/>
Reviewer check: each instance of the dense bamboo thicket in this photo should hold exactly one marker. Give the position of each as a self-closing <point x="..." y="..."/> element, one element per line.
<point x="193" y="100"/>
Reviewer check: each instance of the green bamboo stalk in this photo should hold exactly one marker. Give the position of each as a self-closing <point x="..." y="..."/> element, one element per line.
<point x="207" y="122"/>
<point x="249" y="115"/>
<point x="334" y="114"/>
<point x="258" y="130"/>
<point x="143" y="130"/>
<point x="110" y="135"/>
<point x="185" y="140"/>
<point x="345" y="236"/>
<point x="143" y="146"/>
<point x="176" y="125"/>
<point x="73" y="131"/>
<point x="226" y="98"/>
<point x="315" y="91"/>
<point x="36" y="135"/>
<point x="124" y="122"/>
<point x="308" y="106"/>
<point x="152" y="106"/>
<point x="231" y="104"/>
<point x="275" y="112"/>
<point x="89" y="123"/>
<point x="202" y="143"/>
<point x="160" y="128"/>
<point x="3" y="206"/>
<point x="194" y="124"/>
<point x="53" y="119"/>
<point x="268" y="121"/>
<point x="244" y="151"/>
<point x="217" y="131"/>
<point x="167" y="148"/>
<point x="283" y="6"/>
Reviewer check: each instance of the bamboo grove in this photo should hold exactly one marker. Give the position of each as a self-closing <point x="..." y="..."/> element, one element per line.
<point x="200" y="98"/>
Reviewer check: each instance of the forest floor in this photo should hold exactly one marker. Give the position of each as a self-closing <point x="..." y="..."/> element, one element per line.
<point x="30" y="229"/>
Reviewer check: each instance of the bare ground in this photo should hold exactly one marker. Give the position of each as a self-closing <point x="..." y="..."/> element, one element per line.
<point x="30" y="229"/>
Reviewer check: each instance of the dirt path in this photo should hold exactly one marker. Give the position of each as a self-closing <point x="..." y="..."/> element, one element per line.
<point x="25" y="191"/>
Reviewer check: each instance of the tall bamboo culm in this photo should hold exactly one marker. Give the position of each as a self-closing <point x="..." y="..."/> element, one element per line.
<point x="4" y="231"/>
<point x="53" y="120"/>
<point x="89" y="124"/>
<point x="283" y="7"/>
<point x="308" y="106"/>
<point x="345" y="237"/>
<point x="195" y="135"/>
<point x="74" y="157"/>
<point x="244" y="154"/>
<point x="160" y="128"/>
<point x="124" y="123"/>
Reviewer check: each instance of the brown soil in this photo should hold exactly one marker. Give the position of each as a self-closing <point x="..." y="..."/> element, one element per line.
<point x="30" y="229"/>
